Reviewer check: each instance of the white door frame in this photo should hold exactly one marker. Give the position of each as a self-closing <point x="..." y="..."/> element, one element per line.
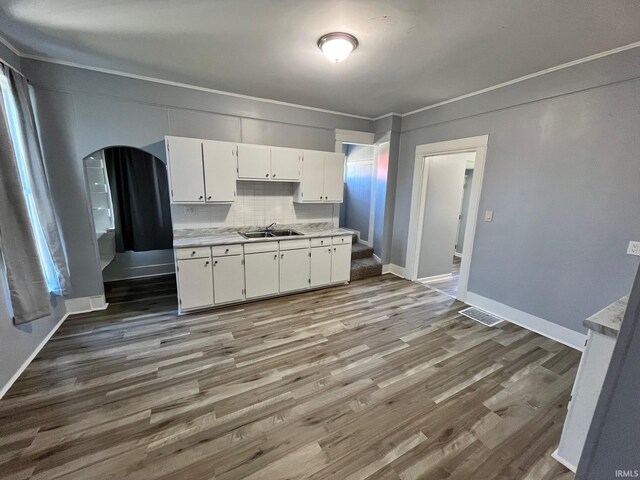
<point x="418" y="196"/>
<point x="361" y="138"/>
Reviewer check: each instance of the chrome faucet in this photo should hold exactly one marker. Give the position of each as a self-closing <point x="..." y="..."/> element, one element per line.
<point x="272" y="226"/>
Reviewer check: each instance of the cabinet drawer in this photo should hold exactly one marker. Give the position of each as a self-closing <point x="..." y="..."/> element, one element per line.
<point x="342" y="239"/>
<point x="260" y="247"/>
<point x="196" y="252"/>
<point x="226" y="250"/>
<point x="294" y="244"/>
<point x="320" y="242"/>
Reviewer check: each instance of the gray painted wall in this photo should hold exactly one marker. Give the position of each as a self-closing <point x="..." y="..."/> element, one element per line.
<point x="81" y="111"/>
<point x="556" y="248"/>
<point x="8" y="57"/>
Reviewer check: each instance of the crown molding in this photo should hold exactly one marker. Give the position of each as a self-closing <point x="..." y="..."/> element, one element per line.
<point x="527" y="77"/>
<point x="562" y="66"/>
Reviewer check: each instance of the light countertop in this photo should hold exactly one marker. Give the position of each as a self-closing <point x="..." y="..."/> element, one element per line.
<point x="205" y="237"/>
<point x="608" y="320"/>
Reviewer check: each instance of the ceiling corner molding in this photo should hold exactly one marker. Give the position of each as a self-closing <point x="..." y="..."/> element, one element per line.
<point x="10" y="46"/>
<point x="187" y="86"/>
<point x="527" y="77"/>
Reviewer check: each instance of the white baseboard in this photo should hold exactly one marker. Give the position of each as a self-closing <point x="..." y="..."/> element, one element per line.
<point x="539" y="325"/>
<point x="72" y="305"/>
<point x="85" y="304"/>
<point x="378" y="259"/>
<point x="394" y="269"/>
<point x="556" y="456"/>
<point x="435" y="278"/>
<point x="456" y="254"/>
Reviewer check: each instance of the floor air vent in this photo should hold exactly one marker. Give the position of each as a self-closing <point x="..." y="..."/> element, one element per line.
<point x="481" y="316"/>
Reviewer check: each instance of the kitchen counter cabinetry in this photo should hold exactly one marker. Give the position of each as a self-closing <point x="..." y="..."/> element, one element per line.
<point x="233" y="273"/>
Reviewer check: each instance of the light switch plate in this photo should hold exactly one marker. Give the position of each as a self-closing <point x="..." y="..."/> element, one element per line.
<point x="488" y="216"/>
<point x="634" y="248"/>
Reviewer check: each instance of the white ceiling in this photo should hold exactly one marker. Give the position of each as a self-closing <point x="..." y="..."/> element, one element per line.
<point x="412" y="53"/>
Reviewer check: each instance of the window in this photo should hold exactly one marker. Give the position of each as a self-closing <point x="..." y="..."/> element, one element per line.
<point x="13" y="119"/>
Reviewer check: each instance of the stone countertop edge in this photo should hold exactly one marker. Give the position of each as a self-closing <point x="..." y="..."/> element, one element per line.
<point x="608" y="320"/>
<point x="210" y="237"/>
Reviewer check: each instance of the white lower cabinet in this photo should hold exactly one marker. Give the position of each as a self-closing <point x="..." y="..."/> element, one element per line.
<point x="341" y="263"/>
<point x="321" y="266"/>
<point x="294" y="270"/>
<point x="195" y="283"/>
<point x="261" y="274"/>
<point x="228" y="279"/>
<point x="224" y="274"/>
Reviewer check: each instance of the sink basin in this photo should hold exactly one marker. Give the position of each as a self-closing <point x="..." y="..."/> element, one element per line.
<point x="284" y="233"/>
<point x="260" y="234"/>
<point x="269" y="233"/>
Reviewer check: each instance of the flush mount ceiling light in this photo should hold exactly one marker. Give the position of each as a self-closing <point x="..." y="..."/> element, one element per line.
<point x="337" y="46"/>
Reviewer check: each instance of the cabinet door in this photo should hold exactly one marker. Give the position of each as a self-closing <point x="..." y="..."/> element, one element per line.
<point x="228" y="279"/>
<point x="340" y="263"/>
<point x="185" y="169"/>
<point x="294" y="270"/>
<point x="334" y="177"/>
<point x="261" y="274"/>
<point x="285" y="164"/>
<point x="312" y="182"/>
<point x="219" y="170"/>
<point x="195" y="283"/>
<point x="321" y="266"/>
<point x="254" y="162"/>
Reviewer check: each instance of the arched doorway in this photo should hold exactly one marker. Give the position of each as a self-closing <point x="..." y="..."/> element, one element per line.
<point x="129" y="195"/>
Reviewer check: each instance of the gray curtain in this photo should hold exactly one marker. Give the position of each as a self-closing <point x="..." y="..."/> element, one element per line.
<point x="39" y="182"/>
<point x="28" y="289"/>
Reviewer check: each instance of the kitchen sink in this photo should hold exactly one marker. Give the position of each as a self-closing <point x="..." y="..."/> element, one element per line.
<point x="269" y="233"/>
<point x="284" y="233"/>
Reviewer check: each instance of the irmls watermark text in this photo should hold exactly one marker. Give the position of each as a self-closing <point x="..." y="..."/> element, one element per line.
<point x="627" y="473"/>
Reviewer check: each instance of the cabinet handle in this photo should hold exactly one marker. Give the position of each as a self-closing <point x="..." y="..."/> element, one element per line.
<point x="335" y="249"/>
<point x="320" y="197"/>
<point x="329" y="250"/>
<point x="193" y="253"/>
<point x="206" y="263"/>
<point x="275" y="257"/>
<point x="326" y="198"/>
<point x="226" y="250"/>
<point x="267" y="175"/>
<point x="209" y="197"/>
<point x="282" y="256"/>
<point x="321" y="242"/>
<point x="200" y="197"/>
<point x="215" y="262"/>
<point x="274" y="175"/>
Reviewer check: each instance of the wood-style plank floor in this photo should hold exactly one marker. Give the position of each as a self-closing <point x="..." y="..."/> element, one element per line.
<point x="379" y="379"/>
<point x="448" y="286"/>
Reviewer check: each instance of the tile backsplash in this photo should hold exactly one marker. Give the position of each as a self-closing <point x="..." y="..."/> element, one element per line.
<point x="257" y="204"/>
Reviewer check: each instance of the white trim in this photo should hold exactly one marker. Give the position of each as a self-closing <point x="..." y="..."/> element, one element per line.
<point x="394" y="269"/>
<point x="354" y="136"/>
<point x="596" y="56"/>
<point x="26" y="363"/>
<point x="378" y="259"/>
<point x="85" y="304"/>
<point x="526" y="77"/>
<point x="539" y="325"/>
<point x="456" y="254"/>
<point x="556" y="456"/>
<point x="435" y="278"/>
<point x="187" y="85"/>
<point x="418" y="195"/>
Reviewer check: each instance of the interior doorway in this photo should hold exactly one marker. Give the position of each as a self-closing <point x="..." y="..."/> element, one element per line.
<point x="444" y="220"/>
<point x="129" y="195"/>
<point x="444" y="209"/>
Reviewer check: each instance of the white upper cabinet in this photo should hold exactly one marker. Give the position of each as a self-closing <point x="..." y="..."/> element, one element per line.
<point x="322" y="178"/>
<point x="333" y="177"/>
<point x="185" y="169"/>
<point x="254" y="162"/>
<point x="285" y="164"/>
<point x="219" y="170"/>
